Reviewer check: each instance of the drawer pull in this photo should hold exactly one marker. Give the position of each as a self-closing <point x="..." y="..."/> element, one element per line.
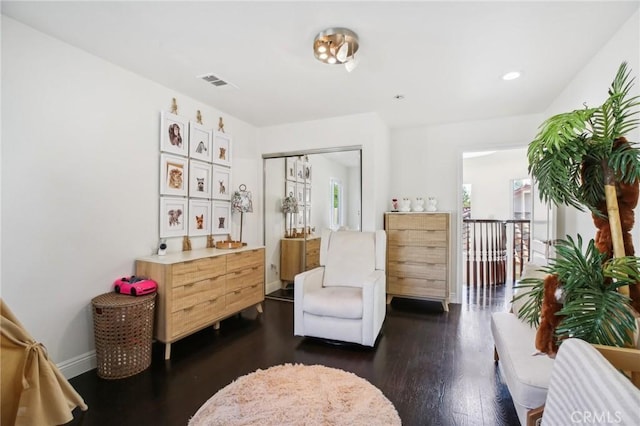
<point x="237" y="292"/>
<point x="238" y="272"/>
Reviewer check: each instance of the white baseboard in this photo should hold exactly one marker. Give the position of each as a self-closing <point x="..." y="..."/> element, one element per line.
<point x="75" y="366"/>
<point x="272" y="286"/>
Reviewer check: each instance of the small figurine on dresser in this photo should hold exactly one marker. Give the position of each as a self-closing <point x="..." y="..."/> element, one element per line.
<point x="405" y="205"/>
<point x="394" y="204"/>
<point x="433" y="204"/>
<point x="419" y="205"/>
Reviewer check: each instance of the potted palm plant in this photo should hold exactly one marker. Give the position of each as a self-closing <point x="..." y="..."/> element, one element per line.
<point x="581" y="159"/>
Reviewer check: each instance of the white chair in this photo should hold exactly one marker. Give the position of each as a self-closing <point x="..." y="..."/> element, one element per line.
<point x="344" y="298"/>
<point x="587" y="388"/>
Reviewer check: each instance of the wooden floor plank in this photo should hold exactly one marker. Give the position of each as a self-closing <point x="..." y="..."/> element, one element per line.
<point x="437" y="368"/>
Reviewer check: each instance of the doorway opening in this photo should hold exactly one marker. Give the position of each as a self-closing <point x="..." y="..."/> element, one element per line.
<point x="496" y="220"/>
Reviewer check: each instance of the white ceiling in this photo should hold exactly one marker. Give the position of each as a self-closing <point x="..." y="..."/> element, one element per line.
<point x="446" y="58"/>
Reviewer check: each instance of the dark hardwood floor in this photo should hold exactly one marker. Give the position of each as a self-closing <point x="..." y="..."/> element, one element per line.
<point x="436" y="368"/>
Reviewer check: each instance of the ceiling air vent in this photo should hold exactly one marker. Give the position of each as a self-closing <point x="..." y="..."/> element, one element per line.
<point x="215" y="80"/>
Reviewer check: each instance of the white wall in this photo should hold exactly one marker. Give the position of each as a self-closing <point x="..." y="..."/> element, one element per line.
<point x="490" y="177"/>
<point x="353" y="201"/>
<point x="428" y="160"/>
<point x="366" y="130"/>
<point x="590" y="87"/>
<point x="80" y="155"/>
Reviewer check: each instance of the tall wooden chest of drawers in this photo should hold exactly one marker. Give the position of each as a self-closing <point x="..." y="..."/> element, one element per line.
<point x="200" y="288"/>
<point x="418" y="247"/>
<point x="291" y="259"/>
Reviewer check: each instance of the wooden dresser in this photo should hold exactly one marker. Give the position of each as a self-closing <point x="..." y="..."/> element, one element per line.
<point x="418" y="256"/>
<point x="200" y="288"/>
<point x="291" y="256"/>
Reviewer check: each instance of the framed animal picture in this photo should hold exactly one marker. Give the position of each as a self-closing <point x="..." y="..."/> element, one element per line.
<point x="221" y="222"/>
<point x="200" y="179"/>
<point x="299" y="171"/>
<point x="221" y="185"/>
<point x="290" y="168"/>
<point x="307" y="172"/>
<point x="290" y="189"/>
<point x="221" y="149"/>
<point x="307" y="195"/>
<point x="174" y="171"/>
<point x="199" y="217"/>
<point x="200" y="142"/>
<point x="173" y="217"/>
<point x="174" y="134"/>
<point x="300" y="194"/>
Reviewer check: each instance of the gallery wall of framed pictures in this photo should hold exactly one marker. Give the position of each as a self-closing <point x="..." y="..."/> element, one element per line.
<point x="298" y="176"/>
<point x="195" y="178"/>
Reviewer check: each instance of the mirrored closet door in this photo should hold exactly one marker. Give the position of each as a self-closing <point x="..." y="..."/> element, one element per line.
<point x="305" y="193"/>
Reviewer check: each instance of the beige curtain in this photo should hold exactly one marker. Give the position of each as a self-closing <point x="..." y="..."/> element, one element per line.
<point x="34" y="392"/>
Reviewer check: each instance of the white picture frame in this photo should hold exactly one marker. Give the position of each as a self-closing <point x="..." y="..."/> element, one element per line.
<point x="221" y="183"/>
<point x="174" y="212"/>
<point x="300" y="218"/>
<point x="200" y="179"/>
<point x="300" y="194"/>
<point x="307" y="195"/>
<point x="174" y="173"/>
<point x="290" y="189"/>
<point x="221" y="149"/>
<point x="200" y="142"/>
<point x="290" y="169"/>
<point x="174" y="134"/>
<point x="199" y="217"/>
<point x="307" y="172"/>
<point x="221" y="218"/>
<point x="299" y="171"/>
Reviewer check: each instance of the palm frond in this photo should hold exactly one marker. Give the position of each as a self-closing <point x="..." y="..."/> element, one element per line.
<point x="532" y="290"/>
<point x="597" y="316"/>
<point x="625" y="162"/>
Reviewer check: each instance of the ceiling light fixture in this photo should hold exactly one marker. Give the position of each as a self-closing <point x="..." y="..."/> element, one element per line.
<point x="511" y="75"/>
<point x="336" y="46"/>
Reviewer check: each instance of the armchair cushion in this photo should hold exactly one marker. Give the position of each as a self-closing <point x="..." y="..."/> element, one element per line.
<point x="339" y="302"/>
<point x="350" y="258"/>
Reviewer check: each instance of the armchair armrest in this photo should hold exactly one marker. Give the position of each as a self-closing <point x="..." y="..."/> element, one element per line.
<point x="374" y="290"/>
<point x="308" y="280"/>
<point x="303" y="283"/>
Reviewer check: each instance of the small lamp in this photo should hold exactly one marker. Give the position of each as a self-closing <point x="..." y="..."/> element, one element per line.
<point x="290" y="206"/>
<point x="241" y="202"/>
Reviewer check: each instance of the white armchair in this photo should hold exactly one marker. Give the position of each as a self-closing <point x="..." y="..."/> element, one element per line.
<point x="344" y="298"/>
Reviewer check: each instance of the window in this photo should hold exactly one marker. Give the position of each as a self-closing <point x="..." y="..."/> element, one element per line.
<point x="336" y="203"/>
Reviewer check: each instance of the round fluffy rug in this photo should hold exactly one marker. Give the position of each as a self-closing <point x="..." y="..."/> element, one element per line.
<point x="297" y="395"/>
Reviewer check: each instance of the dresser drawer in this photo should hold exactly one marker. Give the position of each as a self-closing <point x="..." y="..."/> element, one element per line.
<point x="196" y="270"/>
<point x="245" y="259"/>
<point x="426" y="222"/>
<point x="312" y="245"/>
<point x="192" y="294"/>
<point x="430" y="271"/>
<point x="244" y="278"/>
<point x="398" y="238"/>
<point x="190" y="319"/>
<point x="417" y="287"/>
<point x="245" y="297"/>
<point x="418" y="254"/>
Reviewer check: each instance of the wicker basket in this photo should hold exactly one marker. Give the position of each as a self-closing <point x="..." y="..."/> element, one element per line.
<point x="123" y="327"/>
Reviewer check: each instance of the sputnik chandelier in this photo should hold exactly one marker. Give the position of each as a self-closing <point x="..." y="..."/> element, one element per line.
<point x="336" y="46"/>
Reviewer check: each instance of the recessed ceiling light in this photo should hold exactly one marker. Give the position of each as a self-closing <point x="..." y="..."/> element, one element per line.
<point x="511" y="75"/>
